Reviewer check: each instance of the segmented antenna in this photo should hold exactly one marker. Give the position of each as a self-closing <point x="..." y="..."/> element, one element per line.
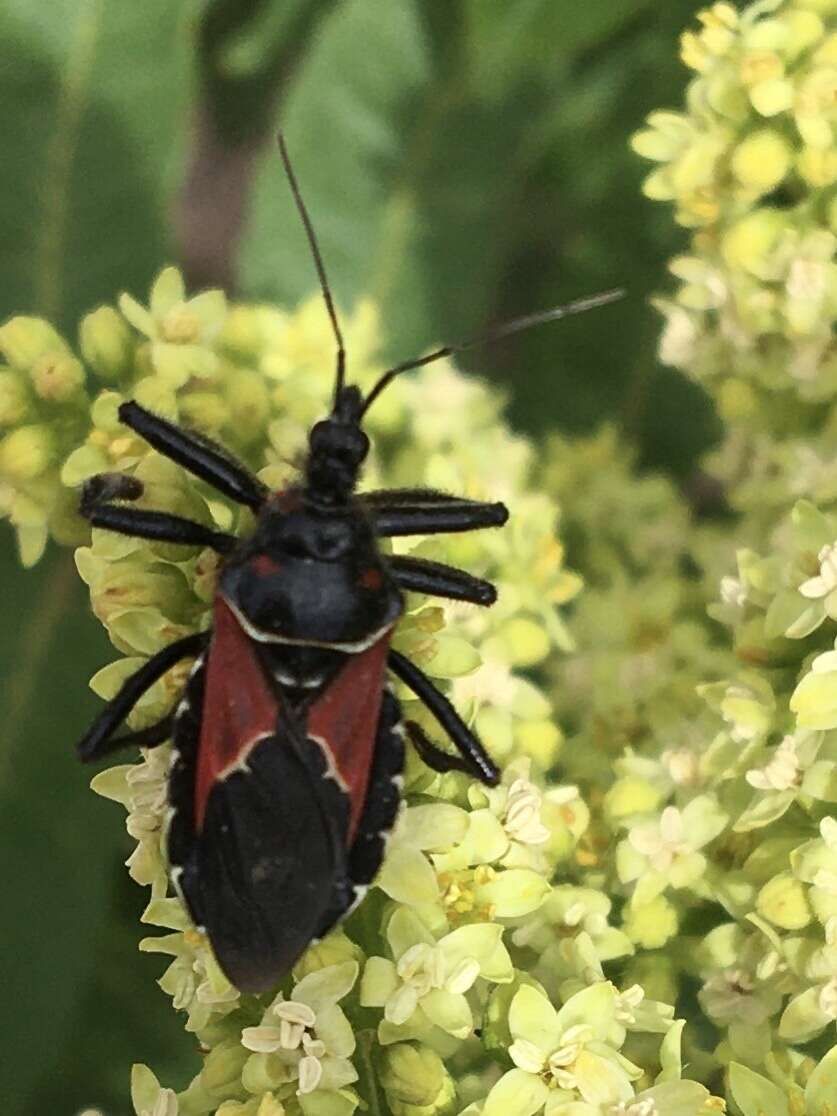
<point x="578" y="306"/>
<point x="340" y="374"/>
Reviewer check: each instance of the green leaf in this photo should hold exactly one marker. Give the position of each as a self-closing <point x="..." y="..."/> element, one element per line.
<point x="95" y="89"/>
<point x="53" y="833"/>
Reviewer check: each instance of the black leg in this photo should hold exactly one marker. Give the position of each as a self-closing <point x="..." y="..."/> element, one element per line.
<point x="160" y="527"/>
<point x="429" y="518"/>
<point x="434" y="757"/>
<point x="480" y="764"/>
<point x="141" y="524"/>
<point x="97" y="741"/>
<point x="198" y="454"/>
<point x="438" y="580"/>
<point x="412" y="497"/>
<point x="149" y="737"/>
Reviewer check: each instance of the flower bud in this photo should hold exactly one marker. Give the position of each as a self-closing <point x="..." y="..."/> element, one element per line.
<point x="221" y="1073"/>
<point x="205" y="411"/>
<point x="26" y="453"/>
<point x="650" y="925"/>
<point x="106" y="343"/>
<point x="416" y="1082"/>
<point x="331" y="950"/>
<point x="783" y="901"/>
<point x="57" y="376"/>
<point x="248" y="400"/>
<point x="761" y="161"/>
<point x="24" y="339"/>
<point x="13" y="399"/>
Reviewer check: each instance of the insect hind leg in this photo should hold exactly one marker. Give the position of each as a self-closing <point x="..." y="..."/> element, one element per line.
<point x="99" y="739"/>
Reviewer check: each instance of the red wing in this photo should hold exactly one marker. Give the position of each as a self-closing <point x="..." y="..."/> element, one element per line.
<point x="344" y="721"/>
<point x="238" y="707"/>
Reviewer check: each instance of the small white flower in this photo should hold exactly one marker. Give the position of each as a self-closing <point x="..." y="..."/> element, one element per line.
<point x="733" y="591"/>
<point x="781" y="773"/>
<point x="527" y="1056"/>
<point x="828" y="831"/>
<point x="679" y="338"/>
<point x="729" y="997"/>
<point x="310" y="1074"/>
<point x="828" y="999"/>
<point x="682" y="765"/>
<point x="562" y="1061"/>
<point x="522" y="818"/>
<point x="660" y="841"/>
<point x="826" y="581"/>
<point x="165" y="1104"/>
<point x="645" y="1107"/>
<point x="626" y="1002"/>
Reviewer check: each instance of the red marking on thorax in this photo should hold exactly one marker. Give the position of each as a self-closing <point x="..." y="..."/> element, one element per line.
<point x="265" y="565"/>
<point x="287" y="500"/>
<point x="238" y="705"/>
<point x="371" y="578"/>
<point x="345" y="719"/>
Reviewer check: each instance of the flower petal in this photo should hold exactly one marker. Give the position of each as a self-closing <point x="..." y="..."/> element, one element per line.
<point x="408" y="877"/>
<point x="513" y="893"/>
<point x="532" y="1017"/>
<point x="335" y="1031"/>
<point x="405" y="930"/>
<point x="599" y="1080"/>
<point x="324" y="987"/>
<point x="449" y="1011"/>
<point x="435" y="826"/>
<point x="378" y="983"/>
<point x="819" y="1091"/>
<point x="754" y="1094"/>
<point x="594" y="1006"/>
<point x="517" y="1093"/>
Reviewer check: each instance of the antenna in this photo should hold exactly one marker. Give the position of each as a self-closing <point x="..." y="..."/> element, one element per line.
<point x="516" y="325"/>
<point x="340" y="375"/>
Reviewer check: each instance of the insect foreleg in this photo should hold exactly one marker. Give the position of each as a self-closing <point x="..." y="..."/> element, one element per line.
<point x="198" y="454"/>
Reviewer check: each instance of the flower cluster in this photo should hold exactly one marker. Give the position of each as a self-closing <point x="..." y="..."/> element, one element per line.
<point x="642" y="916"/>
<point x="424" y="995"/>
<point x="751" y="167"/>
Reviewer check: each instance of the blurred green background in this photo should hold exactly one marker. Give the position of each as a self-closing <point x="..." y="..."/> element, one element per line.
<point x="463" y="162"/>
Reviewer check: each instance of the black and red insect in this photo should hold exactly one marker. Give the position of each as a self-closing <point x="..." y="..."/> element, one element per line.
<point x="288" y="743"/>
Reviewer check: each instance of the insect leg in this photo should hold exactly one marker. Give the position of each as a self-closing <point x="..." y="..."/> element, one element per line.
<point x="97" y="741"/>
<point x="435" y="519"/>
<point x="95" y="505"/>
<point x="480" y="764"/>
<point x="149" y="737"/>
<point x="200" y="455"/>
<point x="438" y="580"/>
<point x="434" y="757"/>
<point x="399" y="497"/>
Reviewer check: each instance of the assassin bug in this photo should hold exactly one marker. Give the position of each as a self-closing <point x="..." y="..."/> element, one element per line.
<point x="288" y="744"/>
